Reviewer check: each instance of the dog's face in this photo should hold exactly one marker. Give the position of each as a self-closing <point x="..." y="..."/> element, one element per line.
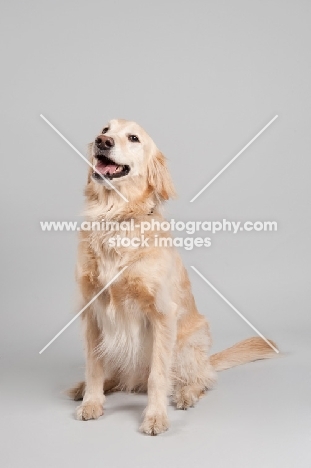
<point x="121" y="150"/>
<point x="125" y="154"/>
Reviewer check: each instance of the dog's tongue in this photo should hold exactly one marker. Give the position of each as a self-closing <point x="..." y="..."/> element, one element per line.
<point x="105" y="168"/>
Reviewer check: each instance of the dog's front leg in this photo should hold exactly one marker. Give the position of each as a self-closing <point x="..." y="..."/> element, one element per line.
<point x="164" y="336"/>
<point x="93" y="400"/>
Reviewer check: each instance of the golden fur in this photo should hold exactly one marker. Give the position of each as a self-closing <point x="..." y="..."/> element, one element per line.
<point x="144" y="332"/>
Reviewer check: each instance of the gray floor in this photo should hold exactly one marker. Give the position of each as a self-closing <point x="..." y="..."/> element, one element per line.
<point x="258" y="415"/>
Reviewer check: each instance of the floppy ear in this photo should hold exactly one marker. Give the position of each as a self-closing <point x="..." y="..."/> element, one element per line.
<point x="159" y="177"/>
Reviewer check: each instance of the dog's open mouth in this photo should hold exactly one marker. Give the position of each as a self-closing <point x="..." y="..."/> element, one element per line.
<point x="108" y="168"/>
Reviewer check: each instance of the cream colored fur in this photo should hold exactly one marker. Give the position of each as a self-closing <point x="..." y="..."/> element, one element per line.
<point x="144" y="332"/>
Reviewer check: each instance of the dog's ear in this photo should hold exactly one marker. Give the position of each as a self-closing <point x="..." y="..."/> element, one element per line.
<point x="159" y="177"/>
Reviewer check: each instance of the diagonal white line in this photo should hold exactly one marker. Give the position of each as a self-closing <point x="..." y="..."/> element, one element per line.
<point x="82" y="310"/>
<point x="235" y="310"/>
<point x="233" y="159"/>
<point x="83" y="157"/>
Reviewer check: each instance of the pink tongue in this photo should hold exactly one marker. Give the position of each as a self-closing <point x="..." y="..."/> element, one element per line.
<point x="106" y="168"/>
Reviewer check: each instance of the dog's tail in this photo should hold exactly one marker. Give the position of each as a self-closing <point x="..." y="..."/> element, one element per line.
<point x="245" y="351"/>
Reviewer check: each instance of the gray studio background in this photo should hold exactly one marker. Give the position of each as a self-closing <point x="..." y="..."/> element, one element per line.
<point x="203" y="78"/>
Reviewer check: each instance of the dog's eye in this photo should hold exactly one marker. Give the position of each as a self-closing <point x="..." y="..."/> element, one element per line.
<point x="105" y="130"/>
<point x="133" y="138"/>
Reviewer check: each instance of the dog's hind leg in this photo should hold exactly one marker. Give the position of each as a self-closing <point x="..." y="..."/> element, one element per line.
<point x="192" y="371"/>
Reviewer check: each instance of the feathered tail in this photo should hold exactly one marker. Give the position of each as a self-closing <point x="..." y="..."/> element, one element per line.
<point x="245" y="351"/>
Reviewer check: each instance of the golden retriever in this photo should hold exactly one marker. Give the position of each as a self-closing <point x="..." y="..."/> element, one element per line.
<point x="143" y="333"/>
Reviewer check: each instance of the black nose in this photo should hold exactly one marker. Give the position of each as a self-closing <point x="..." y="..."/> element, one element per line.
<point x="104" y="142"/>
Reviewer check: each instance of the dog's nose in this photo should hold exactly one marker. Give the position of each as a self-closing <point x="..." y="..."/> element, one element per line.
<point x="104" y="142"/>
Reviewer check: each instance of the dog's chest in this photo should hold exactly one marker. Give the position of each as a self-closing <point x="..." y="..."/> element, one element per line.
<point x="126" y="336"/>
<point x="126" y="341"/>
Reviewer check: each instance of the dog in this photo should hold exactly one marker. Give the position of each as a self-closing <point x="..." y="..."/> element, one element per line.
<point x="142" y="333"/>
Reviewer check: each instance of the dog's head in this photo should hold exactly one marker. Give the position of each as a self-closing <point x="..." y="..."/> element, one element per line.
<point x="125" y="154"/>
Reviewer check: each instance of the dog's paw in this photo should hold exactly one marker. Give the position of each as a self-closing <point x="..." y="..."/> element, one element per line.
<point x="187" y="396"/>
<point x="155" y="423"/>
<point x="89" y="410"/>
